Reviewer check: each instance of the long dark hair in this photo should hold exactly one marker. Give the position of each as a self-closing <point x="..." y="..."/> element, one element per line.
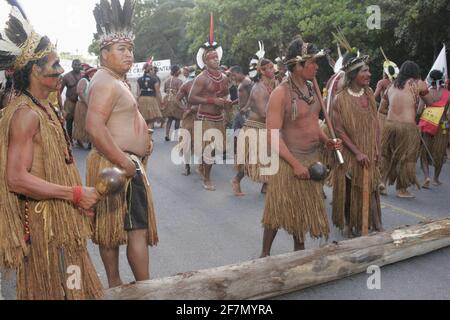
<point x="22" y="76"/>
<point x="408" y="70"/>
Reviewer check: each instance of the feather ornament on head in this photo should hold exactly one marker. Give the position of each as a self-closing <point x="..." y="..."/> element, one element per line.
<point x="344" y="43"/>
<point x="210" y="45"/>
<point x="353" y="63"/>
<point x="256" y="60"/>
<point x="390" y="68"/>
<point x="19" y="41"/>
<point x="114" y="22"/>
<point x="305" y="55"/>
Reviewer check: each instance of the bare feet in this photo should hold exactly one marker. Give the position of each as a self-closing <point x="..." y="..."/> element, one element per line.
<point x="405" y="194"/>
<point x="236" y="185"/>
<point x="115" y="283"/>
<point x="264" y="255"/>
<point x="208" y="186"/>
<point x="426" y="184"/>
<point x="437" y="183"/>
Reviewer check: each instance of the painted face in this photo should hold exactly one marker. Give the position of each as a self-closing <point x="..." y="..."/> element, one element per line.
<point x="308" y="71"/>
<point x="119" y="57"/>
<point x="50" y="74"/>
<point x="363" y="77"/>
<point x="212" y="60"/>
<point x="268" y="71"/>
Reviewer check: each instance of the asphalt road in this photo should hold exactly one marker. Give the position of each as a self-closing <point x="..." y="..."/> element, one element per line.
<point x="200" y="229"/>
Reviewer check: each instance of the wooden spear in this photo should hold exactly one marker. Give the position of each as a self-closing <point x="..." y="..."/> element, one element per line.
<point x="327" y="119"/>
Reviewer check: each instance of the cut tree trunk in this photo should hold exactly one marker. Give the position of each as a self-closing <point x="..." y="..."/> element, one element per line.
<point x="278" y="275"/>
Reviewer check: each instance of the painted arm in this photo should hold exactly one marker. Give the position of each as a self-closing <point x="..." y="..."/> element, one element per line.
<point x="102" y="98"/>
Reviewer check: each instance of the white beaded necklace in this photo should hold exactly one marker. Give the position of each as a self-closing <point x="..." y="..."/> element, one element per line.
<point x="356" y="94"/>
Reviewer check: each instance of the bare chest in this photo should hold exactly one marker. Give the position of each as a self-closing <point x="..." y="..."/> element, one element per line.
<point x="126" y="103"/>
<point x="217" y="87"/>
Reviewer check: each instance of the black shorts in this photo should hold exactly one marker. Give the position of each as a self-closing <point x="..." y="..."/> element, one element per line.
<point x="136" y="217"/>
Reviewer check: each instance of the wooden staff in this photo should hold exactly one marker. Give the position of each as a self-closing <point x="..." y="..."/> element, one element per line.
<point x="327" y="119"/>
<point x="365" y="203"/>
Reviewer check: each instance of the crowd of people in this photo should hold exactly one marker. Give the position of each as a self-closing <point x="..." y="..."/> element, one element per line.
<point x="348" y="136"/>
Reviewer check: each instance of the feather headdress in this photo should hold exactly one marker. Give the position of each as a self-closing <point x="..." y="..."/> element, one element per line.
<point x="256" y="60"/>
<point x="353" y="63"/>
<point x="210" y="45"/>
<point x="390" y="68"/>
<point x="19" y="42"/>
<point x="114" y="22"/>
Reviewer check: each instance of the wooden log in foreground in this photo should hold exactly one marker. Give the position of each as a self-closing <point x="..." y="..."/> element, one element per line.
<point x="274" y="276"/>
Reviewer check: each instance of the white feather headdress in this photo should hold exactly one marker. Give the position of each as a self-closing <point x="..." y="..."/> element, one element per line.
<point x="254" y="62"/>
<point x="210" y="45"/>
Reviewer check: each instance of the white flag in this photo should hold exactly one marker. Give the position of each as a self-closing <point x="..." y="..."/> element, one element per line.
<point x="440" y="64"/>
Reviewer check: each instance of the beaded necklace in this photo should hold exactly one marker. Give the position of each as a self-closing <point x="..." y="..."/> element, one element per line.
<point x="269" y="87"/>
<point x="217" y="80"/>
<point x="356" y="94"/>
<point x="309" y="100"/>
<point x="213" y="77"/>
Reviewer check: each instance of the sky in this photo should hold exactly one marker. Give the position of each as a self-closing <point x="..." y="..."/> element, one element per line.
<point x="68" y="22"/>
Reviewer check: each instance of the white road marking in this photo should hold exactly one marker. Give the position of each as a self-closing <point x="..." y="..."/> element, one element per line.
<point x="404" y="211"/>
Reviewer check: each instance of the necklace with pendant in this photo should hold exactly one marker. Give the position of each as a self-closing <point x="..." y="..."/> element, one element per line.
<point x="309" y="100"/>
<point x="356" y="94"/>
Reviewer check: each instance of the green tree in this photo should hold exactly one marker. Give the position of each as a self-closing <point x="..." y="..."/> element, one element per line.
<point x="161" y="30"/>
<point x="175" y="29"/>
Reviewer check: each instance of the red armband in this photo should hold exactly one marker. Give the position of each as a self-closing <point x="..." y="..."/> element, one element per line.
<point x="210" y="100"/>
<point x="77" y="192"/>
